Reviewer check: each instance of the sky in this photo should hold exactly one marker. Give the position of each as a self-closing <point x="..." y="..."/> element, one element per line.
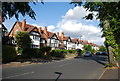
<point x="63" y="17"/>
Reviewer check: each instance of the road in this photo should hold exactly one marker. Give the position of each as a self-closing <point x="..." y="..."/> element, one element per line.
<point x="75" y="68"/>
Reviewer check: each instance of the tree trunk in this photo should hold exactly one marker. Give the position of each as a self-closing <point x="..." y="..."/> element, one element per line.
<point x="109" y="48"/>
<point x="110" y="55"/>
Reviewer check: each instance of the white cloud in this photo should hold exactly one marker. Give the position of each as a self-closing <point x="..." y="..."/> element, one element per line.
<point x="71" y="25"/>
<point x="51" y="28"/>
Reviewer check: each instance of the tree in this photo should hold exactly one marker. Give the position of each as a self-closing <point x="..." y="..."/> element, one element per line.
<point x="89" y="48"/>
<point x="109" y="16"/>
<point x="102" y="48"/>
<point x="23" y="39"/>
<point x="85" y="47"/>
<point x="11" y="9"/>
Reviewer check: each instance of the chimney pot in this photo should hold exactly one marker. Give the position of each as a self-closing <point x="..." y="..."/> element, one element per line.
<point x="24" y="24"/>
<point x="62" y="34"/>
<point x="45" y="30"/>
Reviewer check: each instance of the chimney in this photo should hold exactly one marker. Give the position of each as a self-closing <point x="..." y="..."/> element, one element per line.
<point x="39" y="29"/>
<point x="57" y="34"/>
<point x="23" y="24"/>
<point x="62" y="35"/>
<point x="45" y="30"/>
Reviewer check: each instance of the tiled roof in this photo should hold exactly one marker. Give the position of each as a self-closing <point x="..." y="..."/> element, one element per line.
<point x="85" y="41"/>
<point x="80" y="41"/>
<point x="75" y="40"/>
<point x="45" y="35"/>
<point x="50" y="34"/>
<point x="28" y="27"/>
<point x="66" y="38"/>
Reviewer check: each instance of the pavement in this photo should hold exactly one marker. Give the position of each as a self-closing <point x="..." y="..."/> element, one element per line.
<point x="78" y="68"/>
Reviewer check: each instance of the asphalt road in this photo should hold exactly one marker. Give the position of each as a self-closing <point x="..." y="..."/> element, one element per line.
<point x="76" y="68"/>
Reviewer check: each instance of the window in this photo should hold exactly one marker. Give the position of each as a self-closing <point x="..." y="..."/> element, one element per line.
<point x="48" y="40"/>
<point x="42" y="41"/>
<point x="36" y="37"/>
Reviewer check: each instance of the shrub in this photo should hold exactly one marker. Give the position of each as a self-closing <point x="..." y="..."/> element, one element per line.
<point x="46" y="50"/>
<point x="83" y="51"/>
<point x="43" y="52"/>
<point x="8" y="53"/>
<point x="58" y="53"/>
<point x="72" y="51"/>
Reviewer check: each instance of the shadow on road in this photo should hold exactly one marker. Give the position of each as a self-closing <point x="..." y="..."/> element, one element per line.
<point x="101" y="59"/>
<point x="59" y="74"/>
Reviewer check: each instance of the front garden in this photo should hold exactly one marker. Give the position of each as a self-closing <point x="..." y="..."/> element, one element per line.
<point x="43" y="54"/>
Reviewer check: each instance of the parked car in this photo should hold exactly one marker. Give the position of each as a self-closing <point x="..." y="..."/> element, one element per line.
<point x="98" y="53"/>
<point x="101" y="53"/>
<point x="104" y="53"/>
<point x="87" y="54"/>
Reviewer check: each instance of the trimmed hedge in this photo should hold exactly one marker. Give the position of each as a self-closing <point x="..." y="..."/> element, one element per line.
<point x="61" y="53"/>
<point x="58" y="53"/>
<point x="72" y="51"/>
<point x="8" y="53"/>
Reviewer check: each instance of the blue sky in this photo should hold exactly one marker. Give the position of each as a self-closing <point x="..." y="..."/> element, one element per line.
<point x="62" y="16"/>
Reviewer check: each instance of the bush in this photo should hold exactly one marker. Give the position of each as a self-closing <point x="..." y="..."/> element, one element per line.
<point x="43" y="52"/>
<point x="83" y="51"/>
<point x="72" y="51"/>
<point x="109" y="65"/>
<point x="8" y="53"/>
<point x="58" y="53"/>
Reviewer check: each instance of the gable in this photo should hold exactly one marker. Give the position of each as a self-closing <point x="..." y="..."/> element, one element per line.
<point x="14" y="29"/>
<point x="35" y="30"/>
<point x="34" y="33"/>
<point x="54" y="37"/>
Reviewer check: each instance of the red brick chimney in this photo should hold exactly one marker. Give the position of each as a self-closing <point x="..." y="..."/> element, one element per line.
<point x="45" y="30"/>
<point x="62" y="35"/>
<point x="39" y="29"/>
<point x="57" y="34"/>
<point x="24" y="24"/>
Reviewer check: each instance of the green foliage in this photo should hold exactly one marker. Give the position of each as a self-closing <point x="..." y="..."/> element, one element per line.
<point x="108" y="65"/>
<point x="10" y="9"/>
<point x="85" y="47"/>
<point x="102" y="48"/>
<point x="46" y="50"/>
<point x="8" y="53"/>
<point x="89" y="48"/>
<point x="93" y="51"/>
<point x="71" y="51"/>
<point x="83" y="51"/>
<point x="23" y="40"/>
<point x="57" y="53"/>
<point x="109" y="15"/>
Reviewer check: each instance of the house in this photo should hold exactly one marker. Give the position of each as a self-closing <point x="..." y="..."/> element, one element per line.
<point x="96" y="47"/>
<point x="81" y="44"/>
<point x="75" y="43"/>
<point x="48" y="38"/>
<point x="65" y="41"/>
<point x="22" y="26"/>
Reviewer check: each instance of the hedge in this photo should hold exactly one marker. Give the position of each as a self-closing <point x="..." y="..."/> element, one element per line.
<point x="57" y="53"/>
<point x="61" y="53"/>
<point x="8" y="53"/>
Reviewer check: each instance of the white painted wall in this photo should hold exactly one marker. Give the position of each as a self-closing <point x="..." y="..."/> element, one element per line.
<point x="35" y="41"/>
<point x="69" y="45"/>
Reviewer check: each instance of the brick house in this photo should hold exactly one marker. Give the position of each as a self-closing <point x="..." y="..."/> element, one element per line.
<point x="48" y="38"/>
<point x="22" y="26"/>
<point x="75" y="43"/>
<point x="65" y="41"/>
